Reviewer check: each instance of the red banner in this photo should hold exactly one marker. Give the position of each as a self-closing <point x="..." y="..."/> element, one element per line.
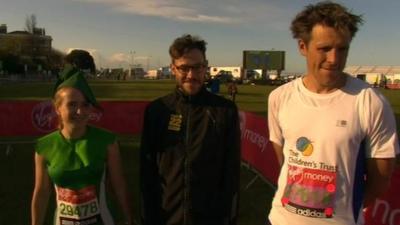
<point x="393" y="86"/>
<point x="386" y="210"/>
<point x="34" y="118"/>
<point x="257" y="150"/>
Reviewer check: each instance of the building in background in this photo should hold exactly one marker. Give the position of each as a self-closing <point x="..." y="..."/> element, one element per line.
<point x="31" y="51"/>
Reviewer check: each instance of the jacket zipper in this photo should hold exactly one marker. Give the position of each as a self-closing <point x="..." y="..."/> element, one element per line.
<point x="186" y="169"/>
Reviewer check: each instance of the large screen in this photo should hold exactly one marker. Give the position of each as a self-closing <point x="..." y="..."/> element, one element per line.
<point x="266" y="60"/>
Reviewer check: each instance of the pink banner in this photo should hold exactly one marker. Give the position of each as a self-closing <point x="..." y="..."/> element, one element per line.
<point x="257" y="150"/>
<point x="386" y="210"/>
<point x="393" y="86"/>
<point x="34" y="118"/>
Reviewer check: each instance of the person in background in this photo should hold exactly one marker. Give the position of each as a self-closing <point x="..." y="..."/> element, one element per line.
<point x="190" y="148"/>
<point x="232" y="89"/>
<point x="329" y="129"/>
<point x="77" y="158"/>
<point x="81" y="60"/>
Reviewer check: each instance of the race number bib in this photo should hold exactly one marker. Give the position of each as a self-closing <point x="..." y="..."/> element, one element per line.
<point x="310" y="192"/>
<point x="77" y="207"/>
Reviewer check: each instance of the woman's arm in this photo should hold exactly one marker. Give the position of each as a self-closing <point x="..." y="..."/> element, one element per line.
<point x="118" y="181"/>
<point x="41" y="192"/>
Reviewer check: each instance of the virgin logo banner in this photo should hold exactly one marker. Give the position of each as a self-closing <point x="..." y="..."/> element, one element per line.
<point x="386" y="210"/>
<point x="34" y="118"/>
<point x="257" y="150"/>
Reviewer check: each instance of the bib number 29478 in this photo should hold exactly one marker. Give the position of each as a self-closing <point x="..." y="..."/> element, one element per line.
<point x="77" y="207"/>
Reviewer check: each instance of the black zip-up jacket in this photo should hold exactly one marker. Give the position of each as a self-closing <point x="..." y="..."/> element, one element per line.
<point x="190" y="160"/>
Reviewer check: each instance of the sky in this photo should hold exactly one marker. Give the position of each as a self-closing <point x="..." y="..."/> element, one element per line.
<point x="122" y="32"/>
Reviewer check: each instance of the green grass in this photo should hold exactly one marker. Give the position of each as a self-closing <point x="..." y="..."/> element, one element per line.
<point x="16" y="162"/>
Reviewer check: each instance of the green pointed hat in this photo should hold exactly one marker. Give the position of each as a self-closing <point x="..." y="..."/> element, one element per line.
<point x="72" y="77"/>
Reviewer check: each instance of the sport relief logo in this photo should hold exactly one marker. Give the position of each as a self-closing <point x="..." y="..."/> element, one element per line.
<point x="44" y="117"/>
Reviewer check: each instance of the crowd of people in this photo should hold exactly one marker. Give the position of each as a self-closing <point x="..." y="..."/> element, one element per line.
<point x="334" y="137"/>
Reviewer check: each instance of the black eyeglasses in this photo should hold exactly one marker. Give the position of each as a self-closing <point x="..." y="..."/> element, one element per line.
<point x="184" y="69"/>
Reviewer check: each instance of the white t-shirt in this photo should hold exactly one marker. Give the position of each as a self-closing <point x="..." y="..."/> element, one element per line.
<point x="322" y="177"/>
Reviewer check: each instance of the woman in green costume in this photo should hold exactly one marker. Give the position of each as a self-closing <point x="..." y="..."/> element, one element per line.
<point x="77" y="159"/>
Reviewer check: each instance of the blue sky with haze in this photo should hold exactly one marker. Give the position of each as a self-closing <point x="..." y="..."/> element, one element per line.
<point x="113" y="29"/>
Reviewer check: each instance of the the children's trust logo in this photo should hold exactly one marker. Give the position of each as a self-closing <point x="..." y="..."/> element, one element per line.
<point x="304" y="146"/>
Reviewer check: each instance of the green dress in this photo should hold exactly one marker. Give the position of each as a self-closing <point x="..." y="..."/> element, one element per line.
<point x="77" y="167"/>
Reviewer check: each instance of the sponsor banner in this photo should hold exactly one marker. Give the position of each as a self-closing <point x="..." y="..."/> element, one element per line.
<point x="123" y="117"/>
<point x="386" y="210"/>
<point x="393" y="86"/>
<point x="257" y="150"/>
<point x="16" y="118"/>
<point x="34" y="118"/>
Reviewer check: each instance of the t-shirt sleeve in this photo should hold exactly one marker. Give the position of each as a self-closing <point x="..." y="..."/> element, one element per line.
<point x="275" y="131"/>
<point x="381" y="133"/>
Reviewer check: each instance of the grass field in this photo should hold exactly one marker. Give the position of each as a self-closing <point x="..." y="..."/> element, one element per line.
<point x="16" y="161"/>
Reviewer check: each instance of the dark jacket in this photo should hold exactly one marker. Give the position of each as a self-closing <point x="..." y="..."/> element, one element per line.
<point x="190" y="160"/>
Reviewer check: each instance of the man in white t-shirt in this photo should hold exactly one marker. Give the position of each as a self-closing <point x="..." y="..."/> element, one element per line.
<point x="334" y="136"/>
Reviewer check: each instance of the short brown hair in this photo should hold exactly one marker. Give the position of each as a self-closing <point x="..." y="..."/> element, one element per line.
<point x="184" y="44"/>
<point x="325" y="13"/>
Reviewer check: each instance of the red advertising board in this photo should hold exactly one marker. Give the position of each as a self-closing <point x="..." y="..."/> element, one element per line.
<point x="386" y="210"/>
<point x="34" y="118"/>
<point x="256" y="148"/>
<point x="393" y="86"/>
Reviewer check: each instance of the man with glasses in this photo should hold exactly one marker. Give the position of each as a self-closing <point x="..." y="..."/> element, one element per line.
<point x="190" y="148"/>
